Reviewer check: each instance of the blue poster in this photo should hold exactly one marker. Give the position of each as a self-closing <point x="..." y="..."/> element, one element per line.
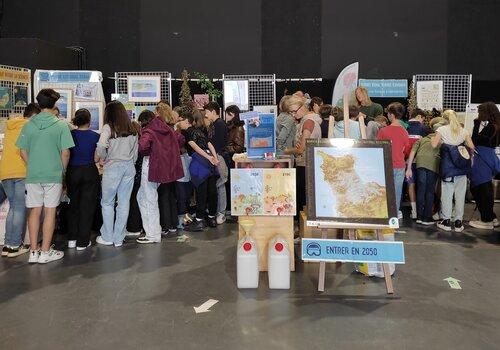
<point x="67" y="76"/>
<point x="260" y="136"/>
<point x="331" y="250"/>
<point x="385" y="87"/>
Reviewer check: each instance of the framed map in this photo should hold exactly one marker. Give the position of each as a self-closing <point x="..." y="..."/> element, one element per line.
<point x="263" y="192"/>
<point x="350" y="181"/>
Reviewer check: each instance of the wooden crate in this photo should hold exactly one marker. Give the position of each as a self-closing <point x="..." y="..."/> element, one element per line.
<point x="265" y="228"/>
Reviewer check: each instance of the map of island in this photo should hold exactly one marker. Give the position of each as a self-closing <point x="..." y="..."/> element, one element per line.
<point x="350" y="183"/>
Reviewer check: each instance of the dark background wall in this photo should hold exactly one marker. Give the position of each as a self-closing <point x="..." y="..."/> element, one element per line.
<point x="292" y="38"/>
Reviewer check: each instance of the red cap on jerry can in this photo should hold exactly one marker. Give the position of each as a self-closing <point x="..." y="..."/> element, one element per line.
<point x="247" y="247"/>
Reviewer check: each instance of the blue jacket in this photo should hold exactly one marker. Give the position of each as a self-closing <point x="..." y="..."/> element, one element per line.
<point x="201" y="169"/>
<point x="448" y="165"/>
<point x="485" y="166"/>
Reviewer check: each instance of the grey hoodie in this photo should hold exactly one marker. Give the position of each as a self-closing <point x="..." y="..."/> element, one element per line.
<point x="118" y="148"/>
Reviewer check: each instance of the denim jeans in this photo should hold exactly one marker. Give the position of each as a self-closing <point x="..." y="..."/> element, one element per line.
<point x="453" y="187"/>
<point x="3" y="196"/>
<point x="147" y="197"/>
<point x="15" y="226"/>
<point x="117" y="182"/>
<point x="399" y="177"/>
<point x="426" y="188"/>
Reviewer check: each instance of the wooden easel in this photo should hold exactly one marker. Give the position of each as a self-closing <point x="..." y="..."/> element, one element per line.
<point x="351" y="230"/>
<point x="352" y="236"/>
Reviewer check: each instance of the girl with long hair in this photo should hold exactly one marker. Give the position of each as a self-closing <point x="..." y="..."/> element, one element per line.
<point x="203" y="170"/>
<point x="160" y="146"/>
<point x="167" y="199"/>
<point x="455" y="166"/>
<point x="116" y="152"/>
<point x="366" y="106"/>
<point x="486" y="136"/>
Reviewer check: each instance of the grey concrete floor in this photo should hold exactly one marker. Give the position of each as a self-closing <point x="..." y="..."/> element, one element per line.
<point x="142" y="297"/>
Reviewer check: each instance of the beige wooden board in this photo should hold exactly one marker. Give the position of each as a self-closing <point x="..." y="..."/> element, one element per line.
<point x="265" y="228"/>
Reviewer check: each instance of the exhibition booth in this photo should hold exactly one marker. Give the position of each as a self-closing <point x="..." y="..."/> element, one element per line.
<point x="350" y="215"/>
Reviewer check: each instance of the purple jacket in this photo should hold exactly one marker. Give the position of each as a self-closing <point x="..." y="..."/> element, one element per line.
<point x="162" y="144"/>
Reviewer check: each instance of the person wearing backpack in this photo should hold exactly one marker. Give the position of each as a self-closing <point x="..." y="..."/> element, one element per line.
<point x="486" y="136"/>
<point x="456" y="157"/>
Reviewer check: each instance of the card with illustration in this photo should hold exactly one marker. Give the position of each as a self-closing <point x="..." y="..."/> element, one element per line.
<point x="246" y="192"/>
<point x="279" y="192"/>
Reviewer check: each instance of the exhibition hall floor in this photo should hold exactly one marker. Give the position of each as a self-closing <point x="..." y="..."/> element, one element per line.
<point x="142" y="297"/>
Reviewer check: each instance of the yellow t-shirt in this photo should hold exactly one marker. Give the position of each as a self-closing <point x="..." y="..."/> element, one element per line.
<point x="12" y="166"/>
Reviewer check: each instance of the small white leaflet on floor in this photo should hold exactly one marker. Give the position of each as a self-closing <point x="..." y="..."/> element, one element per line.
<point x="400" y="231"/>
<point x="453" y="282"/>
<point x="182" y="239"/>
<point x="205" y="306"/>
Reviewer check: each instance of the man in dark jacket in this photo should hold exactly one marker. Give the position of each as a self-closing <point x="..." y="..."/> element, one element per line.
<point x="218" y="137"/>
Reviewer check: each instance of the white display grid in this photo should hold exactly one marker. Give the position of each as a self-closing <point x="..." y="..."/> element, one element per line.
<point x="121" y="86"/>
<point x="4" y="113"/>
<point x="261" y="88"/>
<point x="456" y="89"/>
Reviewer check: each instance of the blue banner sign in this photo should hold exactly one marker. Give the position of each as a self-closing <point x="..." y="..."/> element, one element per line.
<point x="69" y="76"/>
<point x="385" y="87"/>
<point x="331" y="250"/>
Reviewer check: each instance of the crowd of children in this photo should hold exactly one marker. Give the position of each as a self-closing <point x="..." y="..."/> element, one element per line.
<point x="148" y="172"/>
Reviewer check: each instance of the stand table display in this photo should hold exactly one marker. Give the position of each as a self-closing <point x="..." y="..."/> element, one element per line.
<point x="266" y="227"/>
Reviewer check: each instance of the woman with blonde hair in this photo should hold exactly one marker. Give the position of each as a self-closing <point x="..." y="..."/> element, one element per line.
<point x="455" y="166"/>
<point x="285" y="126"/>
<point x="366" y="106"/>
<point x="309" y="127"/>
<point x="165" y="113"/>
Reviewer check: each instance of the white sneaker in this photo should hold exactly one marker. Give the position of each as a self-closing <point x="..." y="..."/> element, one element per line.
<point x="101" y="241"/>
<point x="436" y="217"/>
<point x="418" y="221"/>
<point x="221" y="218"/>
<point x="482" y="225"/>
<point x="413" y="215"/>
<point x="118" y="245"/>
<point x="400" y="214"/>
<point x="33" y="258"/>
<point x="495" y="222"/>
<point x="72" y="244"/>
<point x="83" y="248"/>
<point x="51" y="255"/>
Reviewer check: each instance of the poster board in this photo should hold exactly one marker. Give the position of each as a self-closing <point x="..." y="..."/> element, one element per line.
<point x="65" y="103"/>
<point x="263" y="192"/>
<point x="350" y="182"/>
<point x="79" y="89"/>
<point x="260" y="135"/>
<point x="430" y="95"/>
<point x="236" y="92"/>
<point x="96" y="110"/>
<point x="144" y="88"/>
<point x="15" y="91"/>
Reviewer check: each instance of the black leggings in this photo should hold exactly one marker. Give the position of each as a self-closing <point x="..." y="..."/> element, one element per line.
<point x="484" y="197"/>
<point x="83" y="188"/>
<point x="206" y="194"/>
<point x="168" y="206"/>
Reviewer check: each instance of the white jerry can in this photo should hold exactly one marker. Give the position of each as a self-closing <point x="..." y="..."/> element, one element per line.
<point x="247" y="263"/>
<point x="279" y="263"/>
